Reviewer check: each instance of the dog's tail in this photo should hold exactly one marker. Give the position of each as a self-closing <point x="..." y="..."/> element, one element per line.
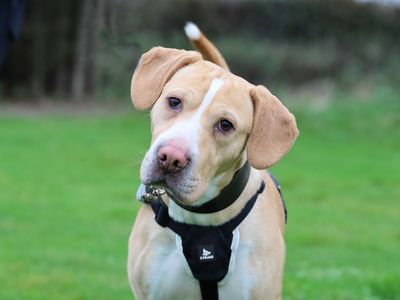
<point x="204" y="46"/>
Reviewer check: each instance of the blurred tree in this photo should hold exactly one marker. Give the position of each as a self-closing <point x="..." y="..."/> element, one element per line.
<point x="38" y="48"/>
<point x="85" y="72"/>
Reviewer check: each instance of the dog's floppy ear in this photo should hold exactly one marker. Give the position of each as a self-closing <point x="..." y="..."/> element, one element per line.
<point x="153" y="71"/>
<point x="274" y="129"/>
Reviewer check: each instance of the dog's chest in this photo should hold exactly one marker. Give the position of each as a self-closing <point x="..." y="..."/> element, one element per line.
<point x="169" y="275"/>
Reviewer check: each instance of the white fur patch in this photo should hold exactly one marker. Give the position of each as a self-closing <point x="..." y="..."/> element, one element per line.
<point x="212" y="90"/>
<point x="168" y="277"/>
<point x="192" y="31"/>
<point x="190" y="129"/>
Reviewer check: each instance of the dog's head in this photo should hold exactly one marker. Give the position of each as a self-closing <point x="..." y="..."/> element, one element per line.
<point x="205" y="123"/>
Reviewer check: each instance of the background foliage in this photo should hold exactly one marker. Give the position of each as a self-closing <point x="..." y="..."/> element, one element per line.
<point x="76" y="49"/>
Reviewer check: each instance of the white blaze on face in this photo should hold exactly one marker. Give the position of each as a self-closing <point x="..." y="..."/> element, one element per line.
<point x="215" y="85"/>
<point x="189" y="129"/>
<point x="194" y="122"/>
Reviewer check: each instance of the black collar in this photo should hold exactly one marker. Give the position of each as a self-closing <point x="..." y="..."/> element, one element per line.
<point x="226" y="197"/>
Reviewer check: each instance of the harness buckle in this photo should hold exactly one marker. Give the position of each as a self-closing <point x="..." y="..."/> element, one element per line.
<point x="152" y="193"/>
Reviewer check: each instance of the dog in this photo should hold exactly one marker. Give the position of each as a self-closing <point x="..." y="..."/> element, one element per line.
<point x="213" y="134"/>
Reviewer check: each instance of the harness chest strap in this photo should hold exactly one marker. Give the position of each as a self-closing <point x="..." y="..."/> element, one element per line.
<point x="207" y="249"/>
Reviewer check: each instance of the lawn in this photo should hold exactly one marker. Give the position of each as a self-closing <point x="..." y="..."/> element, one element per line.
<point x="67" y="185"/>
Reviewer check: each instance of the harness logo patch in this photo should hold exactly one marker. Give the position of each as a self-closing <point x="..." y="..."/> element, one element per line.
<point x="206" y="253"/>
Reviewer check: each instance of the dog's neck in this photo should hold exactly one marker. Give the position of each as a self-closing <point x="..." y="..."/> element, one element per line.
<point x="224" y="197"/>
<point x="183" y="215"/>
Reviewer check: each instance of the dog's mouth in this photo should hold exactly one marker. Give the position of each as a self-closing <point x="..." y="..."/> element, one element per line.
<point x="183" y="191"/>
<point x="183" y="186"/>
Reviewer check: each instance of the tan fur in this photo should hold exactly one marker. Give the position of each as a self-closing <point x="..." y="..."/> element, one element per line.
<point x="154" y="70"/>
<point x="264" y="132"/>
<point x="274" y="129"/>
<point x="209" y="51"/>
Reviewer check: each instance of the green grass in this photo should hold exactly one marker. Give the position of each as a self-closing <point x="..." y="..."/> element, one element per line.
<point x="67" y="204"/>
<point x="341" y="182"/>
<point x="67" y="187"/>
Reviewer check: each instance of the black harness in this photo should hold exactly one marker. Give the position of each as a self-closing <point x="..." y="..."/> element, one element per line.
<point x="207" y="249"/>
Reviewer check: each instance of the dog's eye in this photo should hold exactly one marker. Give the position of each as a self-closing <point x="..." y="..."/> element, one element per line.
<point x="225" y="126"/>
<point x="174" y="103"/>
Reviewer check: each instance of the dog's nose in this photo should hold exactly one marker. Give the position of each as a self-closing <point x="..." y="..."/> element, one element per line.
<point x="172" y="159"/>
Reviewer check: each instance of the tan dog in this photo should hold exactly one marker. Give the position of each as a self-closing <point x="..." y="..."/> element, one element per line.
<point x="206" y="123"/>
